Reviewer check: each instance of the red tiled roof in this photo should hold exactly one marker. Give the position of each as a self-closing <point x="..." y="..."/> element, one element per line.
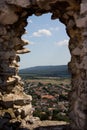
<point x="47" y="96"/>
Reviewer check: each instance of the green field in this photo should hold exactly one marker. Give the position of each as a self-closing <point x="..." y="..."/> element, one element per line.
<point x="52" y="80"/>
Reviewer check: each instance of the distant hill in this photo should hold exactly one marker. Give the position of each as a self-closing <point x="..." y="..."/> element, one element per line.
<point x="46" y="71"/>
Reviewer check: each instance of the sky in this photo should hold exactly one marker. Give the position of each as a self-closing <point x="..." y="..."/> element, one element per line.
<point x="48" y="42"/>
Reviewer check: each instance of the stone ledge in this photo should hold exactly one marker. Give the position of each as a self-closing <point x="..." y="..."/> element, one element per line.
<point x="47" y="125"/>
<point x="9" y="100"/>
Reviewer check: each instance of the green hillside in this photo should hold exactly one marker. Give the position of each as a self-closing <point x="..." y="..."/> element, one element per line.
<point x="46" y="71"/>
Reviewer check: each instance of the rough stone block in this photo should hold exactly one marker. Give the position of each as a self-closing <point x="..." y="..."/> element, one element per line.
<point x="26" y="110"/>
<point x="22" y="3"/>
<point x="81" y="22"/>
<point x="83" y="8"/>
<point x="7" y="16"/>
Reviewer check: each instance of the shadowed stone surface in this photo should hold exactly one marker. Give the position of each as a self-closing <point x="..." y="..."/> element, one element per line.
<point x="15" y="106"/>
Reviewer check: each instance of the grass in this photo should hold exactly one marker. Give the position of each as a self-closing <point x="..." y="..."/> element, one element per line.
<point x="52" y="80"/>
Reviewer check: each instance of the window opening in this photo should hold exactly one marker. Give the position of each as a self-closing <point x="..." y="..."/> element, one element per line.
<point x="47" y="79"/>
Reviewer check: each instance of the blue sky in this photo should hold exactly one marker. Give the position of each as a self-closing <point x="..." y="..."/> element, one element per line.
<point x="48" y="42"/>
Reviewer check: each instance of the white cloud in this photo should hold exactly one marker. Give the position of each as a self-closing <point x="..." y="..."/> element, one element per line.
<point x="54" y="28"/>
<point x="62" y="43"/>
<point x="30" y="21"/>
<point x="42" y="32"/>
<point x="32" y="43"/>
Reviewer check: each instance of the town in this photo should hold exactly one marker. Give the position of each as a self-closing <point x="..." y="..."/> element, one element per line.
<point x="50" y="97"/>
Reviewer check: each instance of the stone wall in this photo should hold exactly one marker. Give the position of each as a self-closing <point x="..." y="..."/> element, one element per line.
<point x="15" y="105"/>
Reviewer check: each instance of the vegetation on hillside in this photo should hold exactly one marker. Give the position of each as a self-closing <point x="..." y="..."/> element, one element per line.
<point x="45" y="71"/>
